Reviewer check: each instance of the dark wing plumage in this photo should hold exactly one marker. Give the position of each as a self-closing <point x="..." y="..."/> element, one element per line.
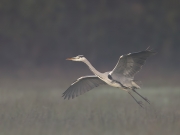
<point x="128" y="65"/>
<point x="82" y="85"/>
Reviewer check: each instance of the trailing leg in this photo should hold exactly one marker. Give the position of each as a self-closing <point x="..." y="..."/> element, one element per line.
<point x="139" y="102"/>
<point x="141" y="96"/>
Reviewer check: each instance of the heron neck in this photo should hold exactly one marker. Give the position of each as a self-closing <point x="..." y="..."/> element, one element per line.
<point x="92" y="68"/>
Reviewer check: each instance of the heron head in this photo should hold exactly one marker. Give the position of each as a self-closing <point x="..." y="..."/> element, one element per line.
<point x="77" y="58"/>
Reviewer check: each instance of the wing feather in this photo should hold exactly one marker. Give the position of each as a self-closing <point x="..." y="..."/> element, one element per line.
<point x="128" y="65"/>
<point x="82" y="85"/>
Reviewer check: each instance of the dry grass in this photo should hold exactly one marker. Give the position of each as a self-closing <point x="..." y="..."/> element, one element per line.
<point x="36" y="108"/>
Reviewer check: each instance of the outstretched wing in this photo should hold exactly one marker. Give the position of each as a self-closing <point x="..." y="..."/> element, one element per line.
<point x="82" y="85"/>
<point x="128" y="65"/>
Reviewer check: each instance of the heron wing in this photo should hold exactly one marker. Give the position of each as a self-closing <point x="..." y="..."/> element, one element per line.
<point x="128" y="65"/>
<point x="82" y="85"/>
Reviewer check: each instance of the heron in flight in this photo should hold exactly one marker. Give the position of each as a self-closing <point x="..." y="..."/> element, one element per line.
<point x="122" y="76"/>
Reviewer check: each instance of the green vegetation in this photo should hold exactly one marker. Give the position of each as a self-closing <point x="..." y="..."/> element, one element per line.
<point x="32" y="108"/>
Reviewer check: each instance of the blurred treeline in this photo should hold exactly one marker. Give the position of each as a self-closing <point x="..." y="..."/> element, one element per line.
<point x="45" y="32"/>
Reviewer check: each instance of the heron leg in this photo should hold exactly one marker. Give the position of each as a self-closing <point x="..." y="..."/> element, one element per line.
<point x="141" y="96"/>
<point x="139" y="102"/>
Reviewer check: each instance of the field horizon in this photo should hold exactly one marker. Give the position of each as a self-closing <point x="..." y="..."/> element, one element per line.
<point x="35" y="107"/>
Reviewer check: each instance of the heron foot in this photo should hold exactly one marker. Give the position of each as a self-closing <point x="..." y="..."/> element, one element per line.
<point x="147" y="100"/>
<point x="140" y="103"/>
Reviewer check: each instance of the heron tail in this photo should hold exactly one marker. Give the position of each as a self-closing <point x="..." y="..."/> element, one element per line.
<point x="136" y="84"/>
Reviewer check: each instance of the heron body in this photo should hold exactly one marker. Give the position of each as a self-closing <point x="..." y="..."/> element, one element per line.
<point x="122" y="76"/>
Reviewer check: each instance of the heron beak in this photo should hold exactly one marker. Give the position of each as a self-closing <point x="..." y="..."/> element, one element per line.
<point x="69" y="58"/>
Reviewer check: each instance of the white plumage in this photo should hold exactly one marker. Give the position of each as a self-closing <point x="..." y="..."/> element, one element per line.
<point x="122" y="76"/>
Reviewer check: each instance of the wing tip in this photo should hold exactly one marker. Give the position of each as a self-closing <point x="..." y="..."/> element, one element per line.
<point x="150" y="51"/>
<point x="63" y="96"/>
<point x="68" y="97"/>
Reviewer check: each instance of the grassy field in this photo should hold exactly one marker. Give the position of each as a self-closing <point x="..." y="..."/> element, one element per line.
<point x="33" y="108"/>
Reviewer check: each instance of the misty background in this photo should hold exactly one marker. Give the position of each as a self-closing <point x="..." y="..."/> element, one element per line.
<point x="36" y="36"/>
<point x="43" y="33"/>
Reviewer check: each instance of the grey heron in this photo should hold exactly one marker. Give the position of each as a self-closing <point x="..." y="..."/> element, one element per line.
<point x="122" y="76"/>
